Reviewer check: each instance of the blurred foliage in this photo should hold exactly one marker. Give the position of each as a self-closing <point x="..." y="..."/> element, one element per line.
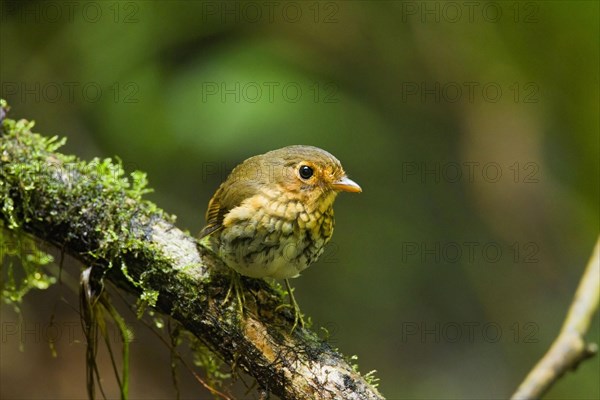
<point x="442" y="269"/>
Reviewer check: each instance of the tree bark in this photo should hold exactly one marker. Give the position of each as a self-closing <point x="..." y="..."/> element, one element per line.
<point x="93" y="212"/>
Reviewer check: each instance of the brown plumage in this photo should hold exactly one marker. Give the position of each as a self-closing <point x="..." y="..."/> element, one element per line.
<point x="273" y="215"/>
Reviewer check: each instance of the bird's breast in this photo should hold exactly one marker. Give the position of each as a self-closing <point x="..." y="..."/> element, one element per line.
<point x="268" y="236"/>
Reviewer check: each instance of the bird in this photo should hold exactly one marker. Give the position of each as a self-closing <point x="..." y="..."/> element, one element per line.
<point x="273" y="214"/>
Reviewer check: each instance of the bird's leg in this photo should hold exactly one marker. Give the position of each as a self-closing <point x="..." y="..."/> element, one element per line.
<point x="294" y="304"/>
<point x="235" y="284"/>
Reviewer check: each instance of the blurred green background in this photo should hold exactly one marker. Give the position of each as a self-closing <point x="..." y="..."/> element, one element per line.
<point x="472" y="128"/>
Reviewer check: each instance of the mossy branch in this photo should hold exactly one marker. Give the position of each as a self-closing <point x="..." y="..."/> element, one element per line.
<point x="93" y="212"/>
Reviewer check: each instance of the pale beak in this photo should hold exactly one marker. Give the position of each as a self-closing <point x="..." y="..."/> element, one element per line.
<point x="346" y="185"/>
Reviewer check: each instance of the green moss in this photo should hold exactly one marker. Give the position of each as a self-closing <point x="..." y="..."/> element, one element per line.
<point x="31" y="164"/>
<point x="98" y="200"/>
<point x="22" y="266"/>
<point x="92" y="208"/>
<point x="215" y="369"/>
<point x="370" y="377"/>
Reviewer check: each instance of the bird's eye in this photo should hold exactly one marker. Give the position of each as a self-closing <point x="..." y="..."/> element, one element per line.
<point x="305" y="172"/>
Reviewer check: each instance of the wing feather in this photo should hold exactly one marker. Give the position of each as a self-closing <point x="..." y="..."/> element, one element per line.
<point x="215" y="214"/>
<point x="244" y="182"/>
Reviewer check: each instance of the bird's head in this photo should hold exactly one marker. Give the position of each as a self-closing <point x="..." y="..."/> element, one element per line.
<point x="295" y="178"/>
<point x="305" y="173"/>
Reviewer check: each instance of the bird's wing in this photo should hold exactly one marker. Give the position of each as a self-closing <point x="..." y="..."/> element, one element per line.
<point x="214" y="215"/>
<point x="229" y="195"/>
<point x="238" y="186"/>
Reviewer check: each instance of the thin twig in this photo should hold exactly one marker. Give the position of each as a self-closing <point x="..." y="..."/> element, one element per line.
<point x="570" y="348"/>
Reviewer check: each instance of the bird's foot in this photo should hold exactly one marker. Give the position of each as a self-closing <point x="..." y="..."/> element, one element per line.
<point x="235" y="285"/>
<point x="298" y="317"/>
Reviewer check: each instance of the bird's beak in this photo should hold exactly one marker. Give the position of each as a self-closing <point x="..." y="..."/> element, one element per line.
<point x="346" y="185"/>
